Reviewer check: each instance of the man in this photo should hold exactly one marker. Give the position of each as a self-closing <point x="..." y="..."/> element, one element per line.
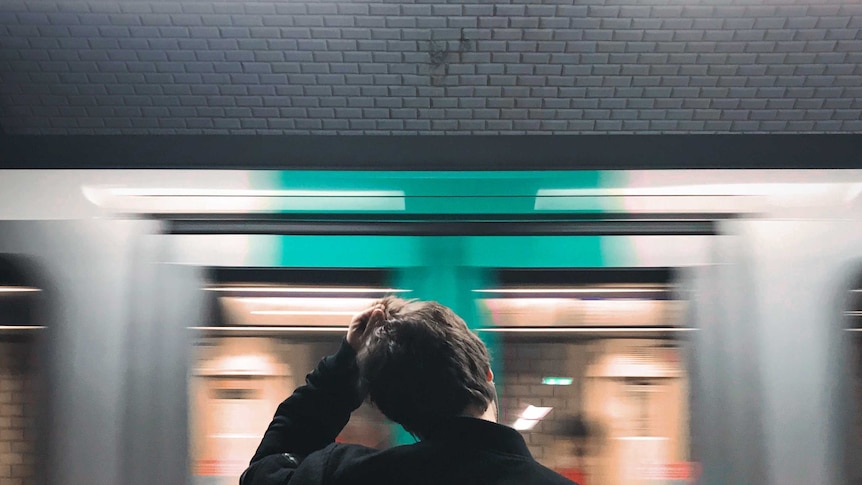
<point x="423" y="368"/>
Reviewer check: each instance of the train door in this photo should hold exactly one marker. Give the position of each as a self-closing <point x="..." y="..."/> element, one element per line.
<point x="553" y="309"/>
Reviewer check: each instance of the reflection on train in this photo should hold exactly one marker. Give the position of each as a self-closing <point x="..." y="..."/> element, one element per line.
<point x="593" y="375"/>
<point x="596" y="379"/>
<point x="170" y="315"/>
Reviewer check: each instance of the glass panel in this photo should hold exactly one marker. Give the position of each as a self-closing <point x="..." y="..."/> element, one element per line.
<point x="614" y="405"/>
<point x="251" y="360"/>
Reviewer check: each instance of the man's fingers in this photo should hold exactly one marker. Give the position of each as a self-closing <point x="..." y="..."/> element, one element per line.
<point x="363" y="315"/>
<point x="363" y="323"/>
<point x="375" y="319"/>
<point x="362" y="318"/>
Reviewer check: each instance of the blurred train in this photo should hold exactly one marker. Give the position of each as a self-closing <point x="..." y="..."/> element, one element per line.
<point x="647" y="327"/>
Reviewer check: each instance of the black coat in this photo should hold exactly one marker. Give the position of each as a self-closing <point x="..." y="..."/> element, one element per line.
<point x="458" y="451"/>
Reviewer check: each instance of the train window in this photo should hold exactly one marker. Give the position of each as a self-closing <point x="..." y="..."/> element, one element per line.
<point x="19" y="373"/>
<point x="594" y="374"/>
<point x="266" y="334"/>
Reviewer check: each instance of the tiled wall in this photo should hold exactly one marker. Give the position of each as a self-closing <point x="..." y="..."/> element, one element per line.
<point x="17" y="420"/>
<point x="525" y="365"/>
<point x="429" y="66"/>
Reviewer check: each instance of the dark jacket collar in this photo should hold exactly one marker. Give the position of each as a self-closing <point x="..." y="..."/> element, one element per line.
<point x="480" y="433"/>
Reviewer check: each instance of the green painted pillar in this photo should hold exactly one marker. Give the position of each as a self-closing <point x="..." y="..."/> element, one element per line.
<point x="444" y="274"/>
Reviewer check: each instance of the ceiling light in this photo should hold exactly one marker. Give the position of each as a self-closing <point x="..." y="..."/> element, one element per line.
<point x="175" y="192"/>
<point x="723" y="190"/>
<point x="530" y="417"/>
<point x="535" y="412"/>
<point x="18" y="289"/>
<point x="166" y="200"/>
<point x="524" y="424"/>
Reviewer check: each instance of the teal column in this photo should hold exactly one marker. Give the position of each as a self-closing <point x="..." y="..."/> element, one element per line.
<point x="444" y="274"/>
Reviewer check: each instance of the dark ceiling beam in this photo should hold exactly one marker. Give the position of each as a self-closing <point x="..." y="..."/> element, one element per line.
<point x="444" y="152"/>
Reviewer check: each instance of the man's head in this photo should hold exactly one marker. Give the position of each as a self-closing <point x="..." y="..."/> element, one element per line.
<point x="421" y="364"/>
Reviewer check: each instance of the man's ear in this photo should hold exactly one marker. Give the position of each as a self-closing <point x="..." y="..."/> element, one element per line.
<point x="490" y="375"/>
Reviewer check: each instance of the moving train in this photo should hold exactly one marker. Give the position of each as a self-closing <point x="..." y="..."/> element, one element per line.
<point x="647" y="326"/>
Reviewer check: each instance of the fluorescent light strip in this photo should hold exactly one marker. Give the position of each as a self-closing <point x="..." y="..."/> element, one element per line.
<point x="272" y="329"/>
<point x="282" y="289"/>
<point x="164" y="192"/>
<point x="725" y="190"/>
<point x="535" y="412"/>
<point x="853" y="329"/>
<point x="557" y="381"/>
<point x="4" y="328"/>
<point x="522" y="424"/>
<point x="530" y="417"/>
<point x="585" y="330"/>
<point x="855" y="313"/>
<point x="572" y="290"/>
<point x="300" y="312"/>
<point x="18" y="289"/>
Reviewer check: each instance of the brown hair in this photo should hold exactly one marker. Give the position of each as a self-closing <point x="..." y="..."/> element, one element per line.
<point x="422" y="364"/>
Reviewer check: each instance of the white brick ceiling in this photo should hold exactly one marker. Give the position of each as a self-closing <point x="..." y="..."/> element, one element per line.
<point x="389" y="67"/>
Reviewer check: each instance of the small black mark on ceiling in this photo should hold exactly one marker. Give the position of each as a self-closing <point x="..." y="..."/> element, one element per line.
<point x="441" y="53"/>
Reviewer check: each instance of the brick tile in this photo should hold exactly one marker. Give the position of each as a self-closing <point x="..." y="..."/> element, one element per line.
<point x="607" y="51"/>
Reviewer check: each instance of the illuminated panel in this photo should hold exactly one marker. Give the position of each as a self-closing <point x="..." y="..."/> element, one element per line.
<point x="530" y="417"/>
<point x="18" y="289"/>
<point x="576" y="312"/>
<point x="291" y="311"/>
<point x="201" y="201"/>
<point x="557" y="381"/>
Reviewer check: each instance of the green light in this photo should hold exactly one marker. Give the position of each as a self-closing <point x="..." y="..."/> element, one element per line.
<point x="557" y="381"/>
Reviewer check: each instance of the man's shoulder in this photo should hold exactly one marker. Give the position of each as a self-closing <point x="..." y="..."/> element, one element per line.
<point x="430" y="463"/>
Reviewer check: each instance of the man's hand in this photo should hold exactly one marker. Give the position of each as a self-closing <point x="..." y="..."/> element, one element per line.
<point x="363" y="324"/>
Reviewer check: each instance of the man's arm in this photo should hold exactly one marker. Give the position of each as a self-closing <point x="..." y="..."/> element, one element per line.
<point x="315" y="413"/>
<point x="312" y="417"/>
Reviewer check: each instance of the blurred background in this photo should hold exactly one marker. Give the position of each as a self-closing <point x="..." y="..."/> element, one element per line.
<point x="648" y="209"/>
<point x="646" y="327"/>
